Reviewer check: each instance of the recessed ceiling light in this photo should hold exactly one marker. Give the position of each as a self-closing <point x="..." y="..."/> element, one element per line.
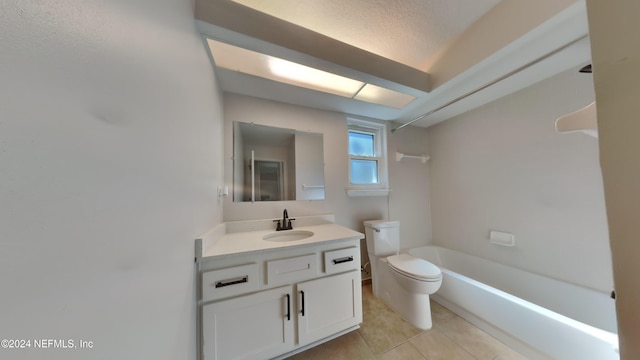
<point x="269" y="67"/>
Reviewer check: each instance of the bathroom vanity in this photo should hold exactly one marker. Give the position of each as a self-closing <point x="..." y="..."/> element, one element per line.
<point x="266" y="294"/>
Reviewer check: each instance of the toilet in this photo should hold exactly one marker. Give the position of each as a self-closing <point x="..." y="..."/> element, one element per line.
<point x="402" y="281"/>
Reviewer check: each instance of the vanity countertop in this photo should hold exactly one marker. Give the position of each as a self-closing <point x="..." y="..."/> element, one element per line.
<point x="220" y="242"/>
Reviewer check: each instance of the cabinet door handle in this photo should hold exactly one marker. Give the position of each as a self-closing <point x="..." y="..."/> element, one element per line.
<point x="288" y="307"/>
<point x="302" y="308"/>
<point x="234" y="281"/>
<point x="342" y="260"/>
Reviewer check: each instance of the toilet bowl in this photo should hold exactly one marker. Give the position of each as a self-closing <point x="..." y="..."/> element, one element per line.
<point x="414" y="274"/>
<point x="402" y="281"/>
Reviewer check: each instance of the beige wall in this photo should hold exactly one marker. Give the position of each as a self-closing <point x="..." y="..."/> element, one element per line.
<point x="504" y="167"/>
<point x="614" y="26"/>
<point x="409" y="179"/>
<point x="110" y="149"/>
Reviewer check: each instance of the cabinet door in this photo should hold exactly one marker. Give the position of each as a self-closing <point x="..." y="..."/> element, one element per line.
<point x="256" y="326"/>
<point x="328" y="305"/>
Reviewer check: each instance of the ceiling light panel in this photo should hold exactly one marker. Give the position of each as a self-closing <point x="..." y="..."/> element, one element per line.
<point x="379" y="95"/>
<point x="314" y="78"/>
<point x="269" y="67"/>
<point x="253" y="63"/>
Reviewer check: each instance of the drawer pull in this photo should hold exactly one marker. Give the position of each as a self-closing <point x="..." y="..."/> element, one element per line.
<point x="342" y="260"/>
<point x="234" y="281"/>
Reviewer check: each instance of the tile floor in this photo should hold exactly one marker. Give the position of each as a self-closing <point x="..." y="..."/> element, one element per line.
<point x="383" y="335"/>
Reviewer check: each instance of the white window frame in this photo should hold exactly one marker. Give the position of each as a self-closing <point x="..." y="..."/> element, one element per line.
<point x="379" y="132"/>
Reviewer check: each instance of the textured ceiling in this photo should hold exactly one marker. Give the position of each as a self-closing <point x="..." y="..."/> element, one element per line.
<point x="406" y="31"/>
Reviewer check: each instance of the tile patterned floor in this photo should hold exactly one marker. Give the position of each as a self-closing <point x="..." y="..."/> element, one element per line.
<point x="383" y="335"/>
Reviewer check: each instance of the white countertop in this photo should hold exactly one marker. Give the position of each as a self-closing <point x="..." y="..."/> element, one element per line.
<point x="235" y="243"/>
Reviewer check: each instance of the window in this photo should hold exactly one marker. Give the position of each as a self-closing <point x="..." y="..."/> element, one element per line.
<point x="367" y="158"/>
<point x="364" y="164"/>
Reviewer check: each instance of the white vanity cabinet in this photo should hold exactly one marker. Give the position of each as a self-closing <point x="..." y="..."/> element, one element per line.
<point x="273" y="304"/>
<point x="256" y="326"/>
<point x="328" y="305"/>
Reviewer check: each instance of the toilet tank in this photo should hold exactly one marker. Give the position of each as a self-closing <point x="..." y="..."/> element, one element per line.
<point x="382" y="236"/>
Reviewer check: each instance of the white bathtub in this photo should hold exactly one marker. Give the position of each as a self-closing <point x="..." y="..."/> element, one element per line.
<point x="540" y="317"/>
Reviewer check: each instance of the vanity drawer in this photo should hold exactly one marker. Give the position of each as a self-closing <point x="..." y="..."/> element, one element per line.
<point x="218" y="284"/>
<point x="287" y="271"/>
<point x="336" y="261"/>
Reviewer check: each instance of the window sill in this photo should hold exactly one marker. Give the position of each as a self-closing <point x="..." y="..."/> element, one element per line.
<point x="369" y="192"/>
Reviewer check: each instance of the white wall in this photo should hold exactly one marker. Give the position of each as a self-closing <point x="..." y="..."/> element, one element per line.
<point x="309" y="152"/>
<point x="616" y="63"/>
<point x="110" y="149"/>
<point x="408" y="201"/>
<point x="504" y="167"/>
<point x="409" y="180"/>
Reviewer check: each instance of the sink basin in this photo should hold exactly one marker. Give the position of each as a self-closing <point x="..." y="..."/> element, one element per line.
<point x="288" y="235"/>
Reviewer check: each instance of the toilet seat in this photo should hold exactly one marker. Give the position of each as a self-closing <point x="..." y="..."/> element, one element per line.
<point x="415" y="268"/>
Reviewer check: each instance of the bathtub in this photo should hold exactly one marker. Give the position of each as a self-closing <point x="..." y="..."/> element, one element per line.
<point x="540" y="317"/>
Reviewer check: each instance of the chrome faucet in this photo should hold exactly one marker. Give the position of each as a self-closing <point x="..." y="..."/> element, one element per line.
<point x="286" y="222"/>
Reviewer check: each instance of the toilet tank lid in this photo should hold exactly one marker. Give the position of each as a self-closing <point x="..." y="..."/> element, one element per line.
<point x="414" y="266"/>
<point x="381" y="223"/>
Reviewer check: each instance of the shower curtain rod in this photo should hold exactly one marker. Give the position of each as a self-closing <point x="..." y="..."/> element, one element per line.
<point x="509" y="74"/>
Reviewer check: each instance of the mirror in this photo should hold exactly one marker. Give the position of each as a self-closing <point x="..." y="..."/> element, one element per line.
<point x="276" y="164"/>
